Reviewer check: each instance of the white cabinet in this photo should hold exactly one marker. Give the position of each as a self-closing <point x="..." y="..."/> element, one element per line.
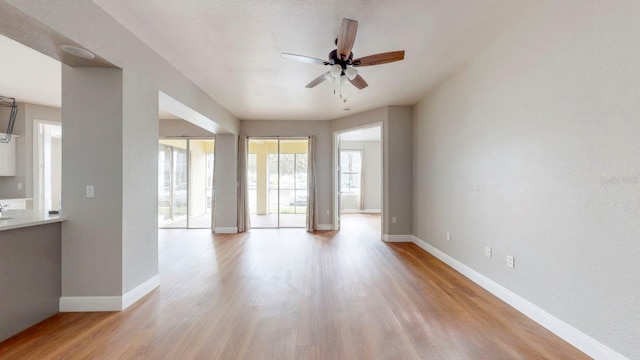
<point x="8" y="157"/>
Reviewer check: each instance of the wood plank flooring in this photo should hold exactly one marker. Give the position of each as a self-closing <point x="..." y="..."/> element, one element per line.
<point x="288" y="294"/>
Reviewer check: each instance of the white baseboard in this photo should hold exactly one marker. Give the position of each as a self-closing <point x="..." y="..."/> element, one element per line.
<point x="90" y="303"/>
<point x="397" y="238"/>
<point x="573" y="336"/>
<point x="140" y="291"/>
<point x="107" y="303"/>
<point x="325" y="227"/>
<point x="226" y="230"/>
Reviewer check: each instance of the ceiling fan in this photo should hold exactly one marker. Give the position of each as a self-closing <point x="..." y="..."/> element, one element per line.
<point x="341" y="59"/>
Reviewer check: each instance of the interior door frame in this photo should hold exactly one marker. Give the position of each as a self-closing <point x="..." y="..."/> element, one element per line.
<point x="336" y="174"/>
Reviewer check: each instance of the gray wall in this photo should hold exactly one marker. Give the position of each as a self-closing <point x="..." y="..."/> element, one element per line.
<point x="92" y="154"/>
<point x="324" y="153"/>
<point x="371" y="171"/>
<point x="398" y="155"/>
<point x="139" y="180"/>
<point x="225" y="181"/>
<point x="24" y="149"/>
<point x="533" y="149"/>
<point x="30" y="281"/>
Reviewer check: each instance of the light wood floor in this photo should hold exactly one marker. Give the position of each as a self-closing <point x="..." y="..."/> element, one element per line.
<point x="287" y="294"/>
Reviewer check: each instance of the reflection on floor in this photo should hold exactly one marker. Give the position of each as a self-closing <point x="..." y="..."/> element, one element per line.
<point x="202" y="221"/>
<point x="353" y="223"/>
<point x="271" y="220"/>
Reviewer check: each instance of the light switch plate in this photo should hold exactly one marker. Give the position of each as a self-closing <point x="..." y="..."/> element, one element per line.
<point x="487" y="251"/>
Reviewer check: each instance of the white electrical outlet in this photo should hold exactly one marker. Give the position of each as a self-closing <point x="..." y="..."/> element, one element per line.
<point x="327" y="212"/>
<point x="448" y="236"/>
<point x="510" y="261"/>
<point x="90" y="191"/>
<point x="487" y="251"/>
<point x="393" y="220"/>
<point x="19" y="186"/>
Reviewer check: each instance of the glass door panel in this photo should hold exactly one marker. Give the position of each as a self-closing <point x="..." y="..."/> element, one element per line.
<point x="164" y="184"/>
<point x="293" y="182"/>
<point x="263" y="184"/>
<point x="172" y="183"/>
<point x="277" y="182"/>
<point x="180" y="186"/>
<point x="185" y="183"/>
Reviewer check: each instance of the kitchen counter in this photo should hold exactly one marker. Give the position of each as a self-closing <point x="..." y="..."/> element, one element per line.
<point x="15" y="219"/>
<point x="30" y="265"/>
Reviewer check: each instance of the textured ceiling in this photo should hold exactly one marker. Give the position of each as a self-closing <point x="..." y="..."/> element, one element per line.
<point x="232" y="49"/>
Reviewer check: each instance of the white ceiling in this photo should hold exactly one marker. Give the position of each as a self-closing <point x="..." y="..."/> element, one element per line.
<point x="29" y="76"/>
<point x="232" y="49"/>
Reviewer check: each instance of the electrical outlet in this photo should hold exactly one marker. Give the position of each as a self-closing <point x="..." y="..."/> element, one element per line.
<point x="90" y="191"/>
<point x="393" y="219"/>
<point x="327" y="212"/>
<point x="487" y="251"/>
<point x="448" y="236"/>
<point x="19" y="186"/>
<point x="510" y="261"/>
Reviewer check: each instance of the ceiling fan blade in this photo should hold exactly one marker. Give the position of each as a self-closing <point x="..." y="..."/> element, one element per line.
<point x="359" y="82"/>
<point x="318" y="80"/>
<point x="306" y="59"/>
<point x="346" y="38"/>
<point x="378" y="59"/>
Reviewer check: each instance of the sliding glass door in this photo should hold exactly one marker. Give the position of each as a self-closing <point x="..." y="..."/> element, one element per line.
<point x="185" y="183"/>
<point x="277" y="181"/>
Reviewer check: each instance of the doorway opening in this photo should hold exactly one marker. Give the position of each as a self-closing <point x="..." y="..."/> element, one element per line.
<point x="359" y="176"/>
<point x="47" y="165"/>
<point x="277" y="182"/>
<point x="185" y="183"/>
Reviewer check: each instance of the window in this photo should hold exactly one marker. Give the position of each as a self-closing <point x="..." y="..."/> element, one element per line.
<point x="350" y="170"/>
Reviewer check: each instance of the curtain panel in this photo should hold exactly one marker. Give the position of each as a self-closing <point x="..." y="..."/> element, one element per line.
<point x="244" y="223"/>
<point x="312" y="205"/>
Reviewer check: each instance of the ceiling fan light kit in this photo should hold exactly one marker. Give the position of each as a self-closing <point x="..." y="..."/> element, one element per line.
<point x="341" y="62"/>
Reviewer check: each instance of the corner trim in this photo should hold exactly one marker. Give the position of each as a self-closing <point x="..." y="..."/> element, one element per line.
<point x="107" y="303"/>
<point x="226" y="230"/>
<point x="397" y="238"/>
<point x="325" y="227"/>
<point x="140" y="291"/>
<point x="573" y="336"/>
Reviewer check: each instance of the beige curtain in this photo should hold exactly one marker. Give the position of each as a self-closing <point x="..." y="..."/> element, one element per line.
<point x="244" y="223"/>
<point x="312" y="206"/>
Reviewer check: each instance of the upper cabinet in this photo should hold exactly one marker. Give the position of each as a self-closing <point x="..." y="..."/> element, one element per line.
<point x="8" y="156"/>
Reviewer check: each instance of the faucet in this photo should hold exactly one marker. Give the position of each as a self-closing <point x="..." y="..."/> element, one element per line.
<point x="2" y="208"/>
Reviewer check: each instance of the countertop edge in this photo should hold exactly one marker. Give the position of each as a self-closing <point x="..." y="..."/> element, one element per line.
<point x="29" y="223"/>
